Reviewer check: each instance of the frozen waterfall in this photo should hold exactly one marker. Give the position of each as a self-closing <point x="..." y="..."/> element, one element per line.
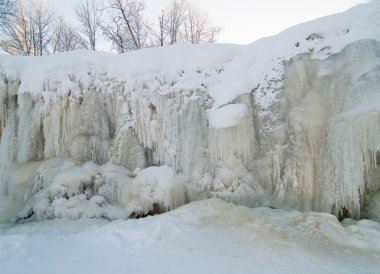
<point x="291" y="121"/>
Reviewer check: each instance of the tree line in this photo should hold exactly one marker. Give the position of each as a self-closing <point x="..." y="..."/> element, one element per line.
<point x="36" y="29"/>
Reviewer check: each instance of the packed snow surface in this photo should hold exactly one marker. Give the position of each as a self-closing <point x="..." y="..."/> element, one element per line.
<point x="228" y="116"/>
<point x="290" y="121"/>
<point x="209" y="236"/>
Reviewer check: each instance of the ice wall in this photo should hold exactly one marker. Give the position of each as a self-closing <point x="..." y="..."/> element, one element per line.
<point x="328" y="145"/>
<point x="89" y="135"/>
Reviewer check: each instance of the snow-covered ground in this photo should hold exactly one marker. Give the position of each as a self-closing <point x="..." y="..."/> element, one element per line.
<point x="209" y="236"/>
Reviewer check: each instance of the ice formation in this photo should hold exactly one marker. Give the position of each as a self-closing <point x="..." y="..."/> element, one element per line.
<point x="290" y="121"/>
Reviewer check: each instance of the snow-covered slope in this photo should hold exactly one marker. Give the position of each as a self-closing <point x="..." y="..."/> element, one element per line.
<point x="202" y="237"/>
<point x="290" y="121"/>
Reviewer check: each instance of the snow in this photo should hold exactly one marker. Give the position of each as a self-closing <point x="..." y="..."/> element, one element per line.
<point x="62" y="189"/>
<point x="290" y="125"/>
<point x="154" y="186"/>
<point x="245" y="66"/>
<point x="209" y="236"/>
<point x="289" y="121"/>
<point x="227" y="116"/>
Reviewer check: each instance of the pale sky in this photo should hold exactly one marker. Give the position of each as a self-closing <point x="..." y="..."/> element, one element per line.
<point x="244" y="21"/>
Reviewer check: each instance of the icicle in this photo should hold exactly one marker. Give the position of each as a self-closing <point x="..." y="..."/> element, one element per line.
<point x="352" y="144"/>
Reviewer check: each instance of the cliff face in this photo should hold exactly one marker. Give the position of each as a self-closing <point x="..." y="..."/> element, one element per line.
<point x="291" y="121"/>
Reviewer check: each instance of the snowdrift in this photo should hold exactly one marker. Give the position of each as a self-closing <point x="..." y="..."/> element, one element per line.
<point x="290" y="121"/>
<point x="209" y="236"/>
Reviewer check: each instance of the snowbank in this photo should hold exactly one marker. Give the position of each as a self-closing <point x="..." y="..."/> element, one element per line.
<point x="202" y="237"/>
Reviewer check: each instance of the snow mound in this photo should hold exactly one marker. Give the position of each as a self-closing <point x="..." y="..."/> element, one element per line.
<point x="62" y="189"/>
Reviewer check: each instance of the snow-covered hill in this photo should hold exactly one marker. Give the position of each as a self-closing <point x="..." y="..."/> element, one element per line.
<point x="290" y="121"/>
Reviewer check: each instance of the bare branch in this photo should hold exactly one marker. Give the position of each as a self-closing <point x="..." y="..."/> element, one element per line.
<point x="126" y="28"/>
<point x="176" y="15"/>
<point x="42" y="27"/>
<point x="88" y="13"/>
<point x="17" y="38"/>
<point x="8" y="8"/>
<point x="66" y="38"/>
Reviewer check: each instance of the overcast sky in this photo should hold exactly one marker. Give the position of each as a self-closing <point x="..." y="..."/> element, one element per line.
<point x="244" y="21"/>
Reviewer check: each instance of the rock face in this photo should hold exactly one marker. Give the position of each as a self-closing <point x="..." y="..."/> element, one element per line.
<point x="95" y="135"/>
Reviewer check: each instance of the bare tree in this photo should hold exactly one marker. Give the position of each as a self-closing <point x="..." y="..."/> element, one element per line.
<point x="42" y="27"/>
<point x="184" y="21"/>
<point x="16" y="33"/>
<point x="176" y="15"/>
<point x="126" y="28"/>
<point x="138" y="27"/>
<point x="197" y="26"/>
<point x="88" y="13"/>
<point x="66" y="38"/>
<point x="34" y="30"/>
<point x="115" y="32"/>
<point x="8" y="8"/>
<point x="161" y="26"/>
<point x="159" y="34"/>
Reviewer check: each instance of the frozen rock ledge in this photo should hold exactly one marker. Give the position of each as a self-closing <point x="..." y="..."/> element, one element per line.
<point x="96" y="135"/>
